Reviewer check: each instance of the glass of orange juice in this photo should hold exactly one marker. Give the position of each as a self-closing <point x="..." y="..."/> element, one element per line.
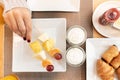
<point x="11" y="77"/>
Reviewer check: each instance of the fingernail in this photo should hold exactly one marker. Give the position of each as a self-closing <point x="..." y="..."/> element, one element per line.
<point x="28" y="41"/>
<point x="24" y="38"/>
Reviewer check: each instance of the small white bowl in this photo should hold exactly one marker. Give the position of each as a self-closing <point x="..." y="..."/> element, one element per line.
<point x="75" y="59"/>
<point x="73" y="38"/>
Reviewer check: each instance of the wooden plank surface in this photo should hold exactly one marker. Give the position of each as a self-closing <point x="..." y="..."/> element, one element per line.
<point x="1" y="44"/>
<point x="82" y="18"/>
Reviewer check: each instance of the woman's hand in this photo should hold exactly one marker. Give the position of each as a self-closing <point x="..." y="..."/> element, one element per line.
<point x="19" y="21"/>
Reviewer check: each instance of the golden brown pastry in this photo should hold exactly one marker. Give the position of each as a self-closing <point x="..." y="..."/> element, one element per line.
<point x="116" y="62"/>
<point x="118" y="73"/>
<point x="104" y="70"/>
<point x="109" y="54"/>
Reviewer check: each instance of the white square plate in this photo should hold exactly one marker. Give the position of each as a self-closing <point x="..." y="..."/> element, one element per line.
<point x="23" y="60"/>
<point x="54" y="5"/>
<point x="94" y="49"/>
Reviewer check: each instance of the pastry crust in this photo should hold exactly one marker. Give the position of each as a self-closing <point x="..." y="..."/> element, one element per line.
<point x="104" y="70"/>
<point x="118" y="73"/>
<point x="109" y="54"/>
<point x="116" y="62"/>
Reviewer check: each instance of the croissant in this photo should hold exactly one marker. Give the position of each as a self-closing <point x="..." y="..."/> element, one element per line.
<point x="116" y="62"/>
<point x="109" y="54"/>
<point x="104" y="70"/>
<point x="118" y="73"/>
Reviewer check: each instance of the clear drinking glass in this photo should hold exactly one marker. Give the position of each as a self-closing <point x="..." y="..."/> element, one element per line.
<point x="79" y="27"/>
<point x="83" y="58"/>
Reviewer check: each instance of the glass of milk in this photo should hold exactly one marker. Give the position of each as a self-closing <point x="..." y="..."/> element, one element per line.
<point x="76" y="35"/>
<point x="75" y="56"/>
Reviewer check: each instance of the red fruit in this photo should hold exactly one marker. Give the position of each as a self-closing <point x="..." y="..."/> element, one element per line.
<point x="58" y="56"/>
<point x="50" y="68"/>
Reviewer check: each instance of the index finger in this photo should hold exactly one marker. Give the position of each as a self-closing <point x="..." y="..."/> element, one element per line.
<point x="28" y="25"/>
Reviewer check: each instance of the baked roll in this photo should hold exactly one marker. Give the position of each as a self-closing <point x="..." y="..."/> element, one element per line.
<point x="116" y="62"/>
<point x="109" y="54"/>
<point x="104" y="70"/>
<point x="118" y="73"/>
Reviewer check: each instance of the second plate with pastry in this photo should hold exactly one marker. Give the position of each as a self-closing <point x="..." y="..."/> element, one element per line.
<point x="102" y="58"/>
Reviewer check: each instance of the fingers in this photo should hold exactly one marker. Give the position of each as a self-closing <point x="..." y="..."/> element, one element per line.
<point x="11" y="22"/>
<point x="28" y="24"/>
<point x="20" y="23"/>
<point x="24" y="23"/>
<point x="7" y="21"/>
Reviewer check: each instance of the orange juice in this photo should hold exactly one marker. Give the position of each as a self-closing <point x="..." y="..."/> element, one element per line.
<point x="1" y="42"/>
<point x="1" y="17"/>
<point x="10" y="77"/>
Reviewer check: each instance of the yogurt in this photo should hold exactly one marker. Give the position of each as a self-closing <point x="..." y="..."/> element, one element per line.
<point x="75" y="56"/>
<point x="76" y="35"/>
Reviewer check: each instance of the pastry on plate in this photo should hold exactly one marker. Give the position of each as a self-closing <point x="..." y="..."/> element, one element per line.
<point x="104" y="70"/>
<point x="109" y="16"/>
<point x="118" y="73"/>
<point x="116" y="62"/>
<point x="110" y="53"/>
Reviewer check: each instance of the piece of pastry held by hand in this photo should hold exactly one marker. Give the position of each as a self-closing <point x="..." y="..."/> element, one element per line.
<point x="110" y="53"/>
<point x="104" y="70"/>
<point x="116" y="62"/>
<point x="118" y="73"/>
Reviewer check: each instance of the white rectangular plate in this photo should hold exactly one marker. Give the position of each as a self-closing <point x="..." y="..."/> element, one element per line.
<point x="23" y="60"/>
<point x="94" y="49"/>
<point x="54" y="5"/>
